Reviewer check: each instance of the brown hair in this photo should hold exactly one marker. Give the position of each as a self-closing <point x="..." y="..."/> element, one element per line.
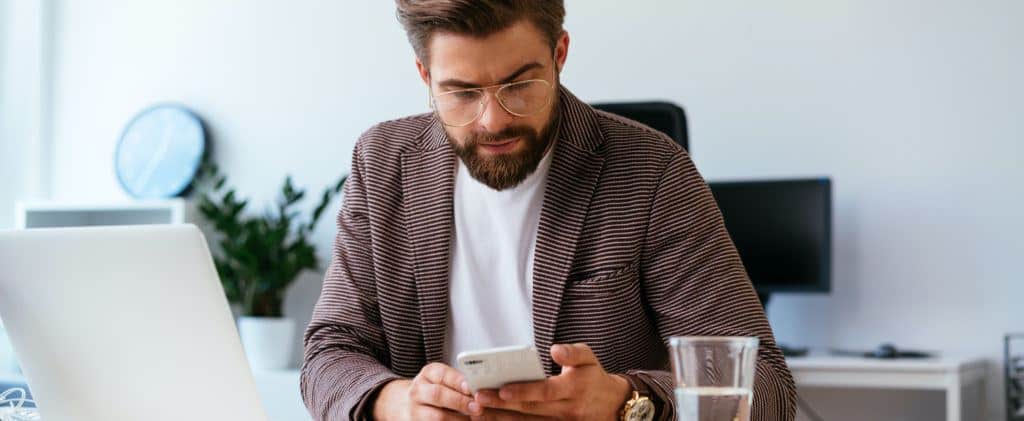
<point x="480" y="18"/>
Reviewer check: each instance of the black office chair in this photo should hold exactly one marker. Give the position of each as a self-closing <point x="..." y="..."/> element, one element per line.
<point x="665" y="117"/>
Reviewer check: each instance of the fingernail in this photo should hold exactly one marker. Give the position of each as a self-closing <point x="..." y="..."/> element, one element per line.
<point x="474" y="407"/>
<point x="465" y="388"/>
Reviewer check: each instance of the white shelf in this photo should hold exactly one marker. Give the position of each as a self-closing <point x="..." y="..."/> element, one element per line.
<point x="73" y="214"/>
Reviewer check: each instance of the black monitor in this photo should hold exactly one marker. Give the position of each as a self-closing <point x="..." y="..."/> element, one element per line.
<point x="782" y="230"/>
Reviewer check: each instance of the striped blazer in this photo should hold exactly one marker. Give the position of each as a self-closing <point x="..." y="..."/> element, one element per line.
<point x="631" y="249"/>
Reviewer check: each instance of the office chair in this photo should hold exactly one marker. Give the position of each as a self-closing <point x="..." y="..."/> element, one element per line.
<point x="665" y="117"/>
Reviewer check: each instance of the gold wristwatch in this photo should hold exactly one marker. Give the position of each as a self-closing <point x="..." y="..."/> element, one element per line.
<point x="639" y="407"/>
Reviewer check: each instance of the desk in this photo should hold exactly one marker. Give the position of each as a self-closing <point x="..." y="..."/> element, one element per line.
<point x="951" y="375"/>
<point x="279" y="391"/>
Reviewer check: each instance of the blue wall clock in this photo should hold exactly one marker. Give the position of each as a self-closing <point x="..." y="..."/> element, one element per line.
<point x="159" y="152"/>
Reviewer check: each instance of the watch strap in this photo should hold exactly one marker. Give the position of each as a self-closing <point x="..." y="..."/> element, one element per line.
<point x="638" y="384"/>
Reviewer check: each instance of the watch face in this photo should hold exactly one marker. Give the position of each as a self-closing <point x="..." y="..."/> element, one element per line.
<point x="641" y="410"/>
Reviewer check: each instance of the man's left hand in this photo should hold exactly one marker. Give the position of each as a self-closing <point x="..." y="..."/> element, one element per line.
<point x="583" y="391"/>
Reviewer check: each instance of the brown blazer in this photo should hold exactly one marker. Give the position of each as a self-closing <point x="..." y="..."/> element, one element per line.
<point x="631" y="249"/>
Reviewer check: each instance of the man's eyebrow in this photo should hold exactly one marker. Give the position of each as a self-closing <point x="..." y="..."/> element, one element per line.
<point x="459" y="84"/>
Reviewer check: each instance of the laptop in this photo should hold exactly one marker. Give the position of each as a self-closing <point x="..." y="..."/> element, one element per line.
<point x="123" y="323"/>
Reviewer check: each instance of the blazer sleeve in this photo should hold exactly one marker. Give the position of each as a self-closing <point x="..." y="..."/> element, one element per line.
<point x="344" y="344"/>
<point x="696" y="285"/>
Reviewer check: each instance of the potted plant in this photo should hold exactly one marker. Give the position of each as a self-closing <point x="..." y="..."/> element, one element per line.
<point x="258" y="256"/>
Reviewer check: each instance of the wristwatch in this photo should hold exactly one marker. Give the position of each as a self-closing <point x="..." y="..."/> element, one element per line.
<point x="639" y="407"/>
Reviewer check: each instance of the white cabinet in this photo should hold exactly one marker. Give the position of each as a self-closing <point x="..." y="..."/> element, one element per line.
<point x="949" y="374"/>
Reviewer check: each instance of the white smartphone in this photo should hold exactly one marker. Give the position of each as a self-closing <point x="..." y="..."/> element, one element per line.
<point x="496" y="367"/>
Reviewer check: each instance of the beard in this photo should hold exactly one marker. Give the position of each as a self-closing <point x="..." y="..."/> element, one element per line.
<point x="506" y="170"/>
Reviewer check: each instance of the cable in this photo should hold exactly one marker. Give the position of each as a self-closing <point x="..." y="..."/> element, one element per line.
<point x="11" y="409"/>
<point x="802" y="404"/>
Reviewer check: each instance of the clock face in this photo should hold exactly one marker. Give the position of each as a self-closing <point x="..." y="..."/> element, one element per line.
<point x="642" y="410"/>
<point x="159" y="152"/>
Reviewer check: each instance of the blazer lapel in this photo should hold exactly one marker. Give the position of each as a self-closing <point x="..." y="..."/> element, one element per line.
<point x="428" y="182"/>
<point x="575" y="168"/>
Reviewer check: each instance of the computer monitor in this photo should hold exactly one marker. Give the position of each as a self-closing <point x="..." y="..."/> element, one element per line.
<point x="782" y="230"/>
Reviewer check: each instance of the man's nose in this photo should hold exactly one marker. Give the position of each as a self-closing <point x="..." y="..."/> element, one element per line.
<point x="494" y="118"/>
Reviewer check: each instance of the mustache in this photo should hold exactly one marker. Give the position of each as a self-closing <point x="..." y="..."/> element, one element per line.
<point x="506" y="133"/>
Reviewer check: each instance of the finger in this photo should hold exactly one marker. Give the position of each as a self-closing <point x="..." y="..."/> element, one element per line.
<point x="492" y="402"/>
<point x="551" y="389"/>
<point x="502" y="415"/>
<point x="439" y="373"/>
<point x="429" y="413"/>
<point x="441" y="396"/>
<point x="573" y="355"/>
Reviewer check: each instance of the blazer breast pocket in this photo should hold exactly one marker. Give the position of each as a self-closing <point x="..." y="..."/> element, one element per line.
<point x="616" y="280"/>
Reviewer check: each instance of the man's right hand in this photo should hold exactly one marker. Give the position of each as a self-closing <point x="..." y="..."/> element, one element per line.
<point x="438" y="392"/>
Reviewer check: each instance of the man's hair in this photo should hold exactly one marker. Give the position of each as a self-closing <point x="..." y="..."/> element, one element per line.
<point x="479" y="18"/>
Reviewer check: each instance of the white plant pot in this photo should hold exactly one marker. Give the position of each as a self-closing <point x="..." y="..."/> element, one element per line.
<point x="267" y="341"/>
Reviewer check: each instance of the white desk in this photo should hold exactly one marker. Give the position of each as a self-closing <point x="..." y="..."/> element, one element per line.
<point x="279" y="391"/>
<point x="951" y="375"/>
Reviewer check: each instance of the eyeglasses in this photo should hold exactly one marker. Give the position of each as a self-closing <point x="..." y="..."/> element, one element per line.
<point x="461" y="107"/>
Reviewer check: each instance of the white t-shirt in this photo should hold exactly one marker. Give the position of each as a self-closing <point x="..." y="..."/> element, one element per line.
<point x="491" y="279"/>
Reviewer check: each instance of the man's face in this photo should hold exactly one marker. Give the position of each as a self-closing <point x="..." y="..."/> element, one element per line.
<point x="499" y="148"/>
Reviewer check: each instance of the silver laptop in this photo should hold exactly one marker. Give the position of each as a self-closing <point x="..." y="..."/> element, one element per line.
<point x="123" y="323"/>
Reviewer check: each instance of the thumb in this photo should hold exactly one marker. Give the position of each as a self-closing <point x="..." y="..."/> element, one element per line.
<point x="573" y="355"/>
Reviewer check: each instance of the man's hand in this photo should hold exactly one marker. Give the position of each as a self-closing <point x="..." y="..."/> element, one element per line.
<point x="438" y="392"/>
<point x="583" y="391"/>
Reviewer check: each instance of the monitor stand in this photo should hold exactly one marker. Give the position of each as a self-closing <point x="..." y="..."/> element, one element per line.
<point x="788" y="351"/>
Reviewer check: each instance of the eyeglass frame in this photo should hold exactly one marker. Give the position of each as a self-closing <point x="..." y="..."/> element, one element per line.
<point x="431" y="100"/>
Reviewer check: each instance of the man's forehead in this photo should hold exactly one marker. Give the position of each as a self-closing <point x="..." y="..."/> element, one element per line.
<point x="486" y="72"/>
<point x="487" y="59"/>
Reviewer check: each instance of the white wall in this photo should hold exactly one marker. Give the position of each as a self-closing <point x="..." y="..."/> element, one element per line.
<point x="913" y="107"/>
<point x="285" y="88"/>
<point x="23" y="70"/>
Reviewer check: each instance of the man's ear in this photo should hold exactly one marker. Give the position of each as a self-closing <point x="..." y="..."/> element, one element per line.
<point x="424" y="72"/>
<point x="561" y="51"/>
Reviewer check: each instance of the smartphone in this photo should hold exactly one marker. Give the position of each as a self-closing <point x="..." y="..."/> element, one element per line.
<point x="496" y="367"/>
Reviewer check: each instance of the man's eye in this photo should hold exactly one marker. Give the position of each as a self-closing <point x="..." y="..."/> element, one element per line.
<point x="466" y="95"/>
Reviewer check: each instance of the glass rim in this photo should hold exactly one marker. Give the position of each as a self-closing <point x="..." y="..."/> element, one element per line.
<point x="483" y="102"/>
<point x="693" y="340"/>
<point x="499" y="86"/>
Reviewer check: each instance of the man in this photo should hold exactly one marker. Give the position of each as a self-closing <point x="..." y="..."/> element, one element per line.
<point x="516" y="214"/>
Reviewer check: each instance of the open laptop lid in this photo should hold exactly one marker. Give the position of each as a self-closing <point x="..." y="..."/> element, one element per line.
<point x="123" y="323"/>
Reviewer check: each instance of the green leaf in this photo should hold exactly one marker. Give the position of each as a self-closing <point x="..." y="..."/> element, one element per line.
<point x="259" y="256"/>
